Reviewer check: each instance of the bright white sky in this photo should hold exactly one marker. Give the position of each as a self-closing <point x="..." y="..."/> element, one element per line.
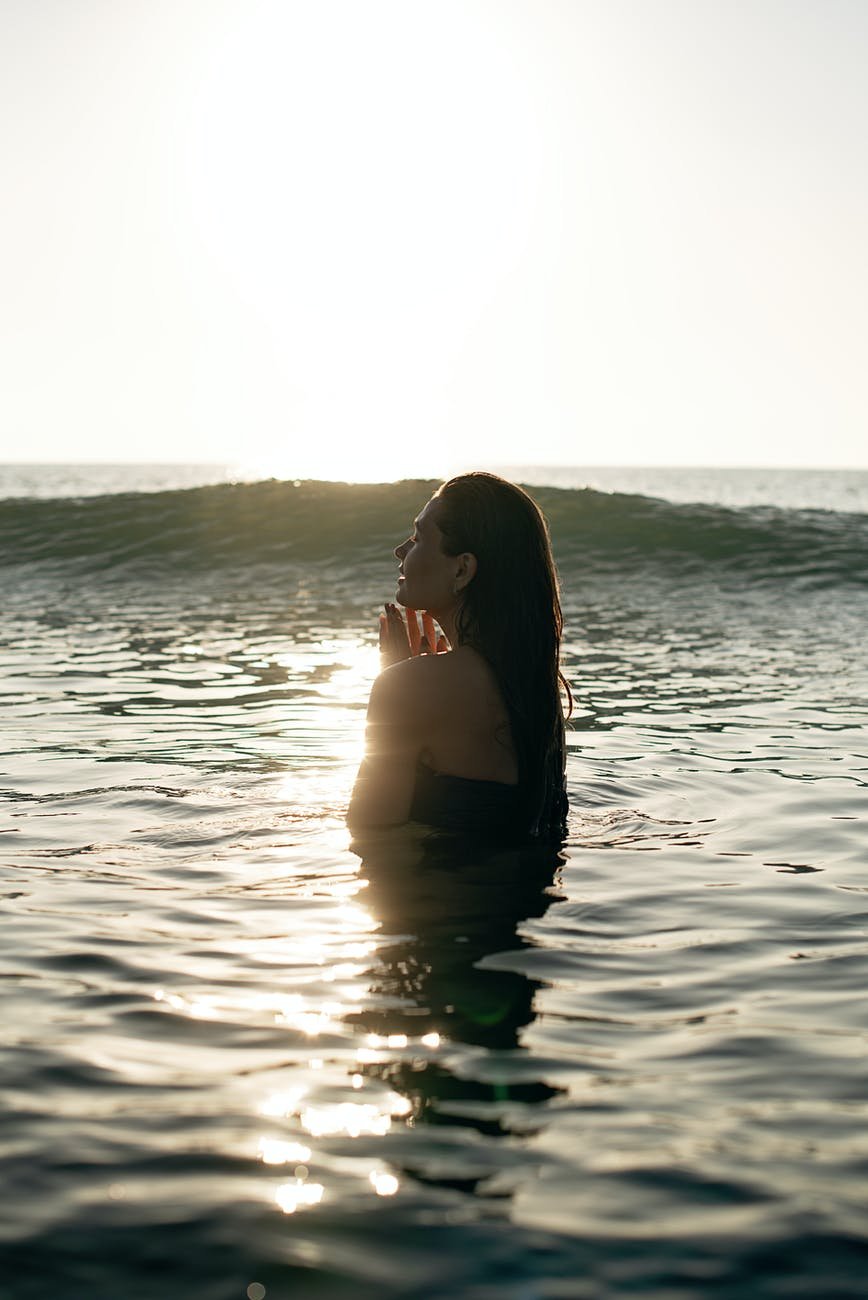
<point x="370" y="238"/>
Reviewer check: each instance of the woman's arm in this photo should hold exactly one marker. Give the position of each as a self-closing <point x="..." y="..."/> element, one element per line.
<point x="399" y="718"/>
<point x="383" y="791"/>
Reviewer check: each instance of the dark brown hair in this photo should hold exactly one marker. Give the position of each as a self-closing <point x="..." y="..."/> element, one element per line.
<point x="511" y="614"/>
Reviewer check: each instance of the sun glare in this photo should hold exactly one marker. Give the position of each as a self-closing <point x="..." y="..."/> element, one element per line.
<point x="389" y="217"/>
<point x="344" y="455"/>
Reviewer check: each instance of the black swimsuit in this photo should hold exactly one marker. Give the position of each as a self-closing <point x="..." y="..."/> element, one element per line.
<point x="462" y="804"/>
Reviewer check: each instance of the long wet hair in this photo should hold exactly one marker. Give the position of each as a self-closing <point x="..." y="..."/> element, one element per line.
<point x="511" y="614"/>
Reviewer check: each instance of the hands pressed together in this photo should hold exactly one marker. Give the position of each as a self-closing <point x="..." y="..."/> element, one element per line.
<point x="402" y="640"/>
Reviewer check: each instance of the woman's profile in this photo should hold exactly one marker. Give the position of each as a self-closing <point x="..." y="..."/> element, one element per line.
<point x="472" y="739"/>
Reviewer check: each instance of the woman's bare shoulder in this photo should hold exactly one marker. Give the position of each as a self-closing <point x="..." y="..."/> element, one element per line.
<point x="421" y="687"/>
<point x="465" y="670"/>
<point x="412" y="686"/>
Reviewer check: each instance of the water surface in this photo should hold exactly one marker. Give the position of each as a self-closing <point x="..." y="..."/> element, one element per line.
<point x="239" y="1050"/>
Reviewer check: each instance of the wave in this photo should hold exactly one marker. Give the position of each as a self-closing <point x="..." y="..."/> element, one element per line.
<point x="281" y="522"/>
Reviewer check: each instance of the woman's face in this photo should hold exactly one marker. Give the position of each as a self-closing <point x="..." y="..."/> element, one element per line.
<point x="427" y="574"/>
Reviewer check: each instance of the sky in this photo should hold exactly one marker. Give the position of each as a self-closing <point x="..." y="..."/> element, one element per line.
<point x="378" y="238"/>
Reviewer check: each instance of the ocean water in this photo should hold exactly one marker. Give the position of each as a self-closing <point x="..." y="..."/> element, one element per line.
<point x="241" y="1059"/>
<point x="798" y="489"/>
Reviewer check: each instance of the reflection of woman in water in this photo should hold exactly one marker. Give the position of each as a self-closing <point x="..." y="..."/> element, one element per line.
<point x="451" y="959"/>
<point x="472" y="739"/>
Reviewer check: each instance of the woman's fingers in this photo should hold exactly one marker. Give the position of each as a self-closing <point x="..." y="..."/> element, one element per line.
<point x="429" y="634"/>
<point x="400" y="639"/>
<point x="413" y="629"/>
<point x="394" y="643"/>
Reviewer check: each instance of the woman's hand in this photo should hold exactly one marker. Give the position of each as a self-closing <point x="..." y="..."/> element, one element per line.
<point x="402" y="640"/>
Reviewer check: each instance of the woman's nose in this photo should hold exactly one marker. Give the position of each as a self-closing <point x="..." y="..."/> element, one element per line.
<point x="401" y="551"/>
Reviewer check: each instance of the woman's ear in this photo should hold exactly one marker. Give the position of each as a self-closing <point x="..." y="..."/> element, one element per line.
<point x="465" y="571"/>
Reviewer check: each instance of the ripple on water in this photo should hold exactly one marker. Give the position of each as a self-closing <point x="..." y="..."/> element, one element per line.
<point x="236" y="1052"/>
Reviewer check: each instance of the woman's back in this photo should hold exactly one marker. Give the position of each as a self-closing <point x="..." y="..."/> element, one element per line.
<point x="438" y="733"/>
<point x="468" y="733"/>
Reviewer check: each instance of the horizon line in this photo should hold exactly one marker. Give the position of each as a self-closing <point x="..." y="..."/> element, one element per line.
<point x="504" y="465"/>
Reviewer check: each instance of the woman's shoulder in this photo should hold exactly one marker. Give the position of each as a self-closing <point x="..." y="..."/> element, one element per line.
<point x="403" y="688"/>
<point x="425" y="687"/>
<point x="409" y="677"/>
<point x="427" y="683"/>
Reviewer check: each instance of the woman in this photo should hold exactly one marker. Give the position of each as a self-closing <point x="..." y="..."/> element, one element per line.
<point x="472" y="739"/>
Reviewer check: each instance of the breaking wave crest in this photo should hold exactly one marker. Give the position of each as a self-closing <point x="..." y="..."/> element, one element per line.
<point x="282" y="521"/>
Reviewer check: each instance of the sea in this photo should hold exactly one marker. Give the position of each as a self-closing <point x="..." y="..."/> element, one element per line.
<point x="244" y="1058"/>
